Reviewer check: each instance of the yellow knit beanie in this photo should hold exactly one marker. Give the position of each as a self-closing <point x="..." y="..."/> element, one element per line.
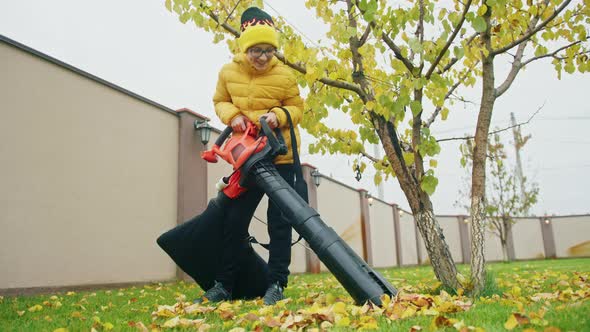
<point x="257" y="28"/>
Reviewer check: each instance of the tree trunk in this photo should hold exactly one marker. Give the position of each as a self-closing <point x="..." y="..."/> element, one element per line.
<point x="437" y="248"/>
<point x="478" y="175"/>
<point x="506" y="229"/>
<point x="505" y="250"/>
<point x="421" y="206"/>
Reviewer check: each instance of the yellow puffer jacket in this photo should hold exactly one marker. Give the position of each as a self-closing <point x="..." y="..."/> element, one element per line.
<point x="243" y="90"/>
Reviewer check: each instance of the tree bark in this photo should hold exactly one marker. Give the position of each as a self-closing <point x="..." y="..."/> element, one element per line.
<point x="478" y="175"/>
<point x="438" y="251"/>
<point x="437" y="248"/>
<point x="505" y="250"/>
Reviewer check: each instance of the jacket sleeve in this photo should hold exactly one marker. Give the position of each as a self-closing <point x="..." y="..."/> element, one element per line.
<point x="224" y="107"/>
<point x="292" y="102"/>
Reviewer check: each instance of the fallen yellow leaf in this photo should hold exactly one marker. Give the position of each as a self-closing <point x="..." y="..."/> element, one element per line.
<point x="238" y="329"/>
<point x="35" y="308"/>
<point x="511" y="323"/>
<point x="514" y="320"/>
<point x="551" y="329"/>
<point x="343" y="322"/>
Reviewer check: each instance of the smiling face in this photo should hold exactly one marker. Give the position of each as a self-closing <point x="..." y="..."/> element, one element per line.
<point x="260" y="55"/>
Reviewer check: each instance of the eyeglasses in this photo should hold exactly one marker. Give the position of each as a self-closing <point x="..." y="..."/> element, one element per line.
<point x="257" y="52"/>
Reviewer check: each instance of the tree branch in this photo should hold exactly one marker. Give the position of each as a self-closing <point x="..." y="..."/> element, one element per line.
<point x="397" y="52"/>
<point x="226" y="26"/>
<point x="515" y="68"/>
<point x="419" y="33"/>
<point x="493" y="132"/>
<point x="527" y="35"/>
<point x="334" y="83"/>
<point x="449" y="41"/>
<point x="391" y="44"/>
<point x="517" y="65"/>
<point x="365" y="36"/>
<point x="363" y="153"/>
<point x="455" y="59"/>
<point x="432" y="118"/>
<point x="357" y="58"/>
<point x="552" y="54"/>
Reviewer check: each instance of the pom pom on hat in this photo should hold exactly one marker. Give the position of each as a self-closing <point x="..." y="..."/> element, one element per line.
<point x="257" y="27"/>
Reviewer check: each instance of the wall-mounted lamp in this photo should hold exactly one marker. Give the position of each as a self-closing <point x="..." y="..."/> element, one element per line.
<point x="205" y="130"/>
<point x="401" y="212"/>
<point x="547" y="221"/>
<point x="370" y="199"/>
<point x="466" y="220"/>
<point x="315" y="174"/>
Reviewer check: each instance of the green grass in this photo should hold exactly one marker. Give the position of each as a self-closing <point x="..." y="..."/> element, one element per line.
<point x="512" y="288"/>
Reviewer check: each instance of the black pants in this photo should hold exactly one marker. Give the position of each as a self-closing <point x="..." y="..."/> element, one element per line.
<point x="235" y="231"/>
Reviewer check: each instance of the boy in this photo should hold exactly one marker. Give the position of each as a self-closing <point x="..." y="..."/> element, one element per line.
<point x="248" y="87"/>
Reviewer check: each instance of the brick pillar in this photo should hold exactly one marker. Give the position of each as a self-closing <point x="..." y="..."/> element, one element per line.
<point x="192" y="171"/>
<point x="366" y="227"/>
<point x="397" y="235"/>
<point x="312" y="262"/>
<point x="548" y="237"/>
<point x="465" y="239"/>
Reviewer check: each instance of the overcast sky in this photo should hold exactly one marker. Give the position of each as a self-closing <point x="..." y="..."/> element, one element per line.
<point x="139" y="45"/>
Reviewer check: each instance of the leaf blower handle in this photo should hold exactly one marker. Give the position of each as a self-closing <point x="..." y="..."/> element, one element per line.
<point x="211" y="155"/>
<point x="276" y="139"/>
<point x="223" y="136"/>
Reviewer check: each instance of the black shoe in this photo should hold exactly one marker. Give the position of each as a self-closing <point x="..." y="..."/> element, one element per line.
<point x="273" y="294"/>
<point x="215" y="294"/>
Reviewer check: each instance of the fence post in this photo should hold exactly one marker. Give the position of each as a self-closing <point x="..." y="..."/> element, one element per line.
<point x="397" y="235"/>
<point x="465" y="239"/>
<point x="548" y="237"/>
<point x="312" y="262"/>
<point x="366" y="226"/>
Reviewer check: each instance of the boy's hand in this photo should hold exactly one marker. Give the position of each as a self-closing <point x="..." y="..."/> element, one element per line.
<point x="271" y="119"/>
<point x="238" y="124"/>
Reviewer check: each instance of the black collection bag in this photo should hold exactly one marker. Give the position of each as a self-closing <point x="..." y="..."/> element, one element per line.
<point x="195" y="246"/>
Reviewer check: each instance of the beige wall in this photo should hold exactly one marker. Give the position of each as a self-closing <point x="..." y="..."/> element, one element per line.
<point x="408" y="239"/>
<point x="382" y="234"/>
<point x="572" y="236"/>
<point x="88" y="179"/>
<point x="526" y="234"/>
<point x="450" y="227"/>
<point x="493" y="247"/>
<point x="332" y="197"/>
